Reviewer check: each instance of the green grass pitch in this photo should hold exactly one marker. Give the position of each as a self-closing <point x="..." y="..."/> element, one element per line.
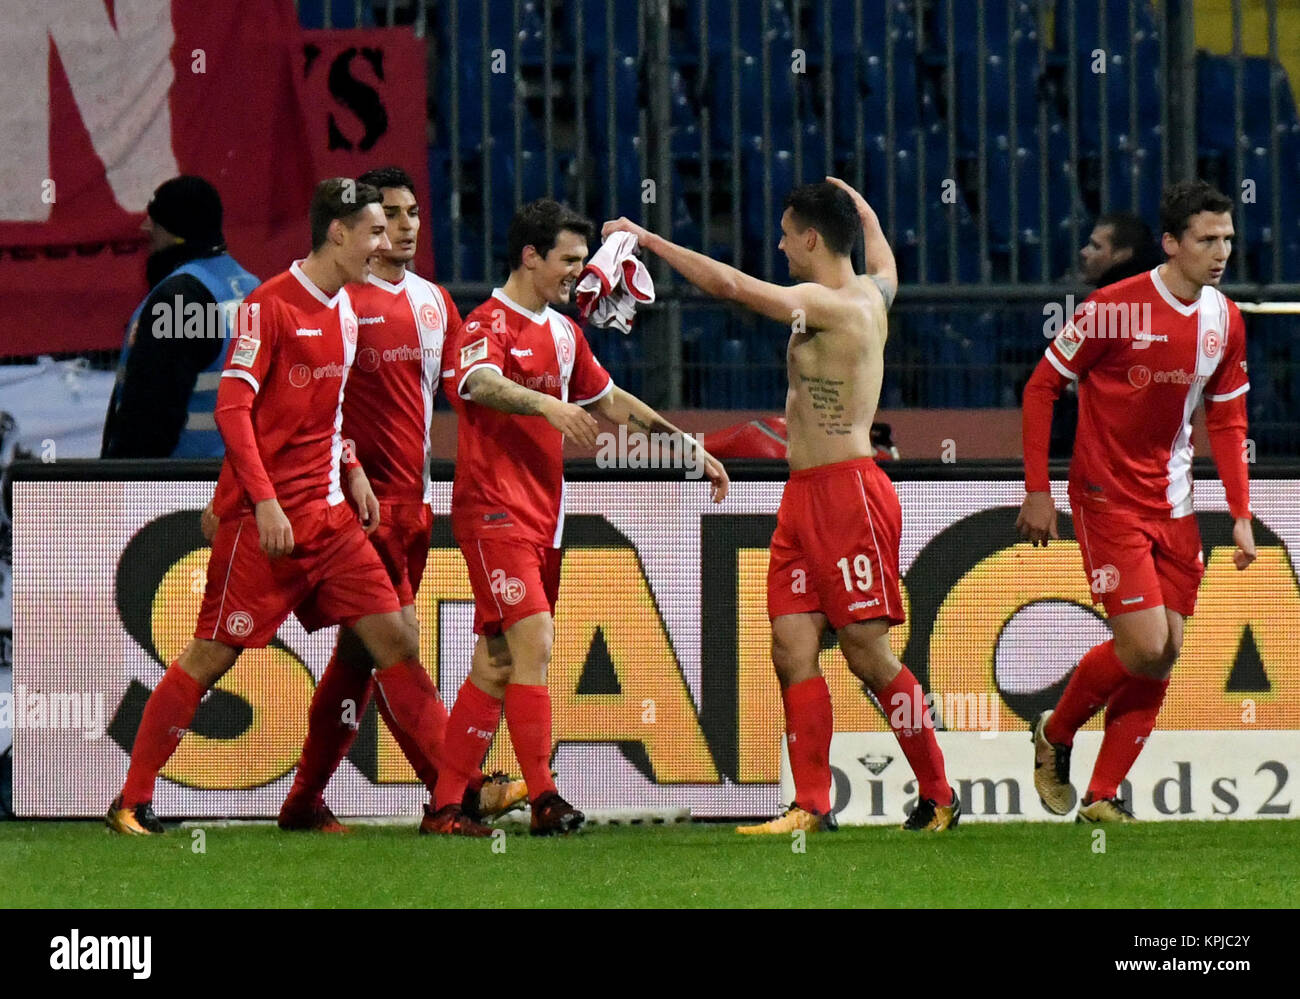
<point x="1173" y="864"/>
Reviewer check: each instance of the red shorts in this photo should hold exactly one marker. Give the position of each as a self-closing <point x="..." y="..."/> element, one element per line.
<point x="835" y="548"/>
<point x="512" y="580"/>
<point x="333" y="576"/>
<point x="1134" y="561"/>
<point x="402" y="541"/>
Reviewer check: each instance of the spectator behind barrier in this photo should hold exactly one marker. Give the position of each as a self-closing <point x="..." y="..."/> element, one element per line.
<point x="176" y="339"/>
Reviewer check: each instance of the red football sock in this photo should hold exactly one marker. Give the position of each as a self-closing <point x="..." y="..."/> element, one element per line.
<point x="167" y="715"/>
<point x="528" y="714"/>
<point x="410" y="702"/>
<point x="473" y="722"/>
<point x="1130" y="717"/>
<point x="808" y="728"/>
<point x="425" y="766"/>
<point x="329" y="732"/>
<point x="1098" y="675"/>
<point x="916" y="740"/>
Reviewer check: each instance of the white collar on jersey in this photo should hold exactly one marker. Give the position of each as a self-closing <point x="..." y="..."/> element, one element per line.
<point x="389" y="287"/>
<point x="1170" y="299"/>
<point x="537" y="317"/>
<point x="295" y="269"/>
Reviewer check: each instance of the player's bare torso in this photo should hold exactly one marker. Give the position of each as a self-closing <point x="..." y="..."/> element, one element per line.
<point x="835" y="377"/>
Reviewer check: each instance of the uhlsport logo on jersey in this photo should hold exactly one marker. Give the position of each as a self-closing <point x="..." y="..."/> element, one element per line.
<point x="508" y="588"/>
<point x="239" y="624"/>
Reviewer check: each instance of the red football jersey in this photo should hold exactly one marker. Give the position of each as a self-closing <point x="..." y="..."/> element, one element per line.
<point x="1143" y="359"/>
<point x="297" y="362"/>
<point x="388" y="403"/>
<point x="510" y="469"/>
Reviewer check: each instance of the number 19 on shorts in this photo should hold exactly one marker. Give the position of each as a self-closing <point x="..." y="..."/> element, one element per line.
<point x="861" y="570"/>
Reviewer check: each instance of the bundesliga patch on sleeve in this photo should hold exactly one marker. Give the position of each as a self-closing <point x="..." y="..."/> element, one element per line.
<point x="245" y="351"/>
<point x="475" y="351"/>
<point x="1069" y="341"/>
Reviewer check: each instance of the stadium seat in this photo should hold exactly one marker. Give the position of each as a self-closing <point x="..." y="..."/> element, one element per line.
<point x="1135" y="165"/>
<point x="343" y="14"/>
<point x="1000" y="25"/>
<point x="761" y="225"/>
<point x="750" y="28"/>
<point x="703" y="330"/>
<point x="1087" y="24"/>
<point x="596" y="32"/>
<point x="781" y="103"/>
<point x="844" y="39"/>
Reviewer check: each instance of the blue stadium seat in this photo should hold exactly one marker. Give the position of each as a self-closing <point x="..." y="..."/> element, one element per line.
<point x="343" y="14"/>
<point x="780" y="104"/>
<point x="625" y="92"/>
<point x="732" y="376"/>
<point x="628" y="174"/>
<point x="703" y="330"/>
<point x="1087" y="24"/>
<point x="999" y="28"/>
<point x="756" y="218"/>
<point x="1135" y="165"/>
<point x="596" y="32"/>
<point x="844" y="38"/>
<point x="1215" y="101"/>
<point x="750" y="26"/>
<point x="1116" y="83"/>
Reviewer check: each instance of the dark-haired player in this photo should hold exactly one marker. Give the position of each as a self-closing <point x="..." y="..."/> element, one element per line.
<point x="286" y="540"/>
<point x="1144" y="351"/>
<point x="834" y="555"/>
<point x="521" y="374"/>
<point x="402" y="321"/>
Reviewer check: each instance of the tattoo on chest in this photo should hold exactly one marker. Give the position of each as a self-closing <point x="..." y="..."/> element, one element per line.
<point x="824" y="394"/>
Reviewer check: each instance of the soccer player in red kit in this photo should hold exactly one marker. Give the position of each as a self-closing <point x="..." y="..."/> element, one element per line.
<point x="1144" y="352"/>
<point x="402" y="322"/>
<point x="286" y="539"/>
<point x="520" y="375"/>
<point x="834" y="554"/>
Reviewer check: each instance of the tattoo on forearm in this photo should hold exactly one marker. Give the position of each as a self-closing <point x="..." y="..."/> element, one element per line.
<point x="498" y="392"/>
<point x="828" y="407"/>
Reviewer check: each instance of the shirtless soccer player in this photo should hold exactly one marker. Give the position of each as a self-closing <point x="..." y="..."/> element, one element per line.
<point x="834" y="556"/>
<point x="402" y="321"/>
<point x="287" y="541"/>
<point x="1144" y="351"/>
<point x="520" y="376"/>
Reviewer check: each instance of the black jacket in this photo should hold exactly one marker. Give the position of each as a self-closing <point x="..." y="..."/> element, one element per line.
<point x="148" y="410"/>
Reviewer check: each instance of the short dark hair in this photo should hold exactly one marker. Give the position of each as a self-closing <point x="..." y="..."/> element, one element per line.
<point x="1129" y="232"/>
<point x="830" y="211"/>
<point x="387" y="176"/>
<point x="1187" y="198"/>
<point x="338" y="198"/>
<point x="538" y="224"/>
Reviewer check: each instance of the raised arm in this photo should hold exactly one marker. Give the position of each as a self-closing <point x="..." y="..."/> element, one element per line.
<point x="819" y="307"/>
<point x="882" y="269"/>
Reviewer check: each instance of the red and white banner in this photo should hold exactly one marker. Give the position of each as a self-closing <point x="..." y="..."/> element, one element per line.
<point x="106" y="99"/>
